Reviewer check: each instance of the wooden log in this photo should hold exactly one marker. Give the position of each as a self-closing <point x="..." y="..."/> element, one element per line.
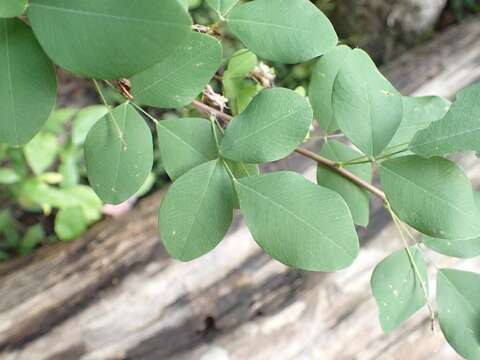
<point x="115" y="294"/>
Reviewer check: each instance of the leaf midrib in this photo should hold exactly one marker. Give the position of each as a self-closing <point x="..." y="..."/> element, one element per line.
<point x="443" y="138"/>
<point x="453" y="286"/>
<point x="10" y="83"/>
<point x="119" y="156"/>
<point x="166" y="76"/>
<point x="426" y="191"/>
<point x="345" y="251"/>
<point x="195" y="216"/>
<point x="106" y="16"/>
<point x="267" y="24"/>
<point x="178" y="138"/>
<point x="263" y="128"/>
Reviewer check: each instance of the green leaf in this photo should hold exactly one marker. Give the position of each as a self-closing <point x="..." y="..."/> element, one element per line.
<point x="321" y="86"/>
<point x="197" y="211"/>
<point x="297" y="222"/>
<point x="41" y="152"/>
<point x="35" y="192"/>
<point x="432" y="195"/>
<point x="356" y="198"/>
<point x="12" y="8"/>
<point x="118" y="166"/>
<point x="397" y="289"/>
<point x="184" y="144"/>
<point x="458" y="298"/>
<point x="85" y="198"/>
<point x="179" y="78"/>
<point x="241" y="170"/>
<point x="222" y="7"/>
<point x="68" y="168"/>
<point x="241" y="64"/>
<point x="418" y="113"/>
<point x="458" y="131"/>
<point x="57" y="121"/>
<point x="285" y="31"/>
<point x="28" y="86"/>
<point x="9" y="176"/>
<point x="70" y="223"/>
<point x="31" y="239"/>
<point x="5" y="216"/>
<point x="136" y="35"/>
<point x="84" y="121"/>
<point x="237" y="85"/>
<point x="271" y="127"/>
<point x="367" y="108"/>
<point x="461" y="249"/>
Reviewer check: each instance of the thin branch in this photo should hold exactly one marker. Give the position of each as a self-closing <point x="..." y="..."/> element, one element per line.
<point x="150" y="117"/>
<point x="112" y="117"/>
<point x="423" y="285"/>
<point x="311" y="155"/>
<point x="343" y="172"/>
<point x="211" y="111"/>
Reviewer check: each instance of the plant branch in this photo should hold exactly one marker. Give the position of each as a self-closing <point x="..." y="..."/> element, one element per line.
<point x="343" y="172"/>
<point x="112" y="117"/>
<point x="311" y="155"/>
<point x="423" y="285"/>
<point x="203" y="108"/>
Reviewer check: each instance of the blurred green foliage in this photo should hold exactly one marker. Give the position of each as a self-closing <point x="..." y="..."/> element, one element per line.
<point x="43" y="193"/>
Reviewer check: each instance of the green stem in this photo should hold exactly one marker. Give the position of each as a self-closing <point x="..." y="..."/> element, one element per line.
<point x="401" y="227"/>
<point x="110" y="113"/>
<point x="216" y="126"/>
<point x="145" y="113"/>
<point x="304" y="152"/>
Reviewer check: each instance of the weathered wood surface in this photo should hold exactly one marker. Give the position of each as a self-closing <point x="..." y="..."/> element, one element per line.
<point x="114" y="294"/>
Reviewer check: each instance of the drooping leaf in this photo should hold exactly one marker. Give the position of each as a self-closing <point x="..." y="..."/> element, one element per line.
<point x="433" y="196"/>
<point x="458" y="298"/>
<point x="461" y="249"/>
<point x="222" y="7"/>
<point x="197" y="211"/>
<point x="70" y="223"/>
<point x="458" y="131"/>
<point x="12" y="8"/>
<point x="128" y="36"/>
<point x="179" y="78"/>
<point x="285" y="31"/>
<point x="321" y="86"/>
<point x="41" y="152"/>
<point x="118" y="159"/>
<point x="367" y="108"/>
<point x="397" y="288"/>
<point x="418" y="113"/>
<point x="297" y="222"/>
<point x="271" y="127"/>
<point x="184" y="144"/>
<point x="356" y="198"/>
<point x="28" y="84"/>
<point x="84" y="121"/>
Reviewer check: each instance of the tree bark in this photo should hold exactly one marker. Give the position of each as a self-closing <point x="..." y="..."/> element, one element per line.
<point x="115" y="294"/>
